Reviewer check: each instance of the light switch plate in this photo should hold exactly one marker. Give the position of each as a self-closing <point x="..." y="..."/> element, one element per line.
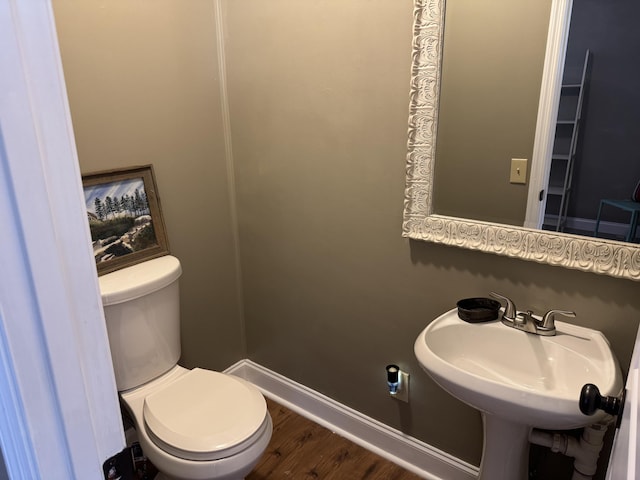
<point x="518" y="170"/>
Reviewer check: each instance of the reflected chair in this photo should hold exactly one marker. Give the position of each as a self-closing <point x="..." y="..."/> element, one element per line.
<point x="632" y="206"/>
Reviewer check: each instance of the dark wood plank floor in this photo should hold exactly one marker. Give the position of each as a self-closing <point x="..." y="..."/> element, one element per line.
<point x="303" y="450"/>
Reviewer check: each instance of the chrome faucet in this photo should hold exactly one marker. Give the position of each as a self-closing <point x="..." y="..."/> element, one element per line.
<point x="527" y="321"/>
<point x="509" y="310"/>
<point x="548" y="324"/>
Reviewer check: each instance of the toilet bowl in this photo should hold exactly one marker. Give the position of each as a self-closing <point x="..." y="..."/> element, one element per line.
<point x="191" y="424"/>
<point x="199" y="424"/>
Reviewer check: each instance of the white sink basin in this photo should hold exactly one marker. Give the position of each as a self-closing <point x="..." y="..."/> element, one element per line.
<point x="520" y="377"/>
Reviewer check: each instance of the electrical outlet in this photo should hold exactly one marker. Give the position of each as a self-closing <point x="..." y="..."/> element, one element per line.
<point x="518" y="170"/>
<point x="403" y="387"/>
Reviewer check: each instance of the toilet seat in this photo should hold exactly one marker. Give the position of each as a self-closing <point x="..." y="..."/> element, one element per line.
<point x="205" y="415"/>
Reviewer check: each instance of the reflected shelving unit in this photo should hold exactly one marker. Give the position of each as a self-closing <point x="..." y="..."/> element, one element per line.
<point x="563" y="159"/>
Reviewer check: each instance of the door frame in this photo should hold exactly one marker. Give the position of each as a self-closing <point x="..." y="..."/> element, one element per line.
<point x="60" y="416"/>
<point x="557" y="39"/>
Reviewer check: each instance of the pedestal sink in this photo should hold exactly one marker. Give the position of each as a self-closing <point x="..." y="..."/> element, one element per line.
<point x="517" y="380"/>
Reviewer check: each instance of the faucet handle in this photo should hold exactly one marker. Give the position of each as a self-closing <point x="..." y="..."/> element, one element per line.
<point x="548" y="319"/>
<point x="509" y="309"/>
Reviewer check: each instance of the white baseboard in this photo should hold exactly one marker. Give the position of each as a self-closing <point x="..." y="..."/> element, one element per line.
<point x="408" y="452"/>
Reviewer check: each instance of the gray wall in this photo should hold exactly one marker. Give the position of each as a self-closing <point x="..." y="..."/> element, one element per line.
<point x="142" y="80"/>
<point x="318" y="96"/>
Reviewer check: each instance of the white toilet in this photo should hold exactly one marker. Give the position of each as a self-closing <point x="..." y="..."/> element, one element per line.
<point x="191" y="424"/>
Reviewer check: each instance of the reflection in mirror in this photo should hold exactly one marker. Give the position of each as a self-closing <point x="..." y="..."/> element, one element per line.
<point x="493" y="56"/>
<point x="492" y="63"/>
<point x="605" y="162"/>
<point x="591" y="254"/>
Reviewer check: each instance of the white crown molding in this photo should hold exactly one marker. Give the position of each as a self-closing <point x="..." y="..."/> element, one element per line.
<point x="616" y="259"/>
<point x="404" y="450"/>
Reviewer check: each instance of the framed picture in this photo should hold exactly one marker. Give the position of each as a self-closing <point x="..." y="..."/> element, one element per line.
<point x="123" y="208"/>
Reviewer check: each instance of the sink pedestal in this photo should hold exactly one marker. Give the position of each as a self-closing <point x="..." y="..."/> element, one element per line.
<point x="505" y="452"/>
<point x="518" y="380"/>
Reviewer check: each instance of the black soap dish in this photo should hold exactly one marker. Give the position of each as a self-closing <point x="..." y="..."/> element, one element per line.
<point x="476" y="310"/>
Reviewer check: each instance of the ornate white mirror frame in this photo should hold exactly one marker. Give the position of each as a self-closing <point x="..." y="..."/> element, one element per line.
<point x="607" y="257"/>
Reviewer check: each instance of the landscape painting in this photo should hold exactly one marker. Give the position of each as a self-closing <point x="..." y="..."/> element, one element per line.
<point x="124" y="216"/>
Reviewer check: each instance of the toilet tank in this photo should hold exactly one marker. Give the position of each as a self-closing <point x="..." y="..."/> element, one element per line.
<point x="142" y="311"/>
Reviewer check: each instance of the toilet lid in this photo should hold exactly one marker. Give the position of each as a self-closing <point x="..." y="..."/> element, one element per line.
<point x="205" y="415"/>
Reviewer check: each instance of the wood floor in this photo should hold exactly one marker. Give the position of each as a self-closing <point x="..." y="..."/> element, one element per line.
<point x="303" y="450"/>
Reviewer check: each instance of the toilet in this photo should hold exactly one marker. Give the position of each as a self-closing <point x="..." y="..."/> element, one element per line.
<point x="191" y="424"/>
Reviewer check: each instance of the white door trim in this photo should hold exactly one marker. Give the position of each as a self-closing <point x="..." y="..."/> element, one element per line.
<point x="57" y="390"/>
<point x="551" y="85"/>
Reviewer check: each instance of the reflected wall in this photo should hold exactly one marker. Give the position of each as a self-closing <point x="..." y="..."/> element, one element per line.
<point x="493" y="56"/>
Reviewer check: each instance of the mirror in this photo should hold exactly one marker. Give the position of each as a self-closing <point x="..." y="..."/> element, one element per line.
<point x="596" y="255"/>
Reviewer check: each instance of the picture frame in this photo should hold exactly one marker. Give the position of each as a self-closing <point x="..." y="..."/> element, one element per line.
<point x="125" y="218"/>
